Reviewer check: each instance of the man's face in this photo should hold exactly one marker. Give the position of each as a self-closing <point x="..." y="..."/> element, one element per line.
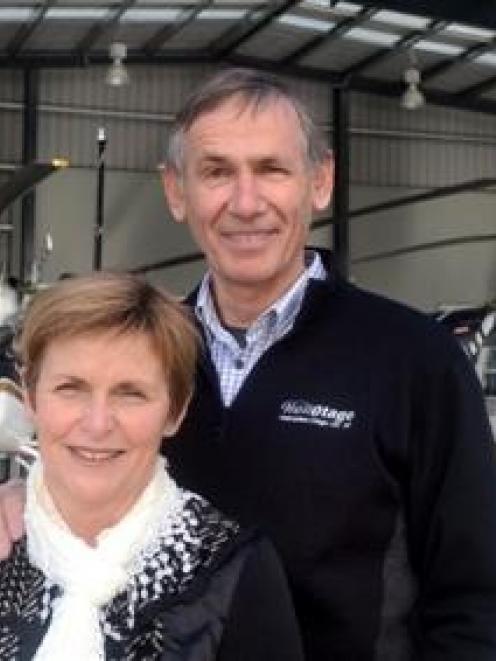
<point x="248" y="192"/>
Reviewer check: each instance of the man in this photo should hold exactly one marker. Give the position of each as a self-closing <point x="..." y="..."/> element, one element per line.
<point x="350" y="428"/>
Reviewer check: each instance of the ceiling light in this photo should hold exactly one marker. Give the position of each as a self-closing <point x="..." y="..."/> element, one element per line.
<point x="412" y="97"/>
<point x="15" y="14"/>
<point x="346" y="7"/>
<point x="470" y="32"/>
<point x="76" y="13"/>
<point x="401" y="20"/>
<point x="117" y="74"/>
<point x="440" y="47"/>
<point x="150" y="15"/>
<point x="219" y="14"/>
<point x="487" y="58"/>
<point x="372" y="36"/>
<point x="306" y="23"/>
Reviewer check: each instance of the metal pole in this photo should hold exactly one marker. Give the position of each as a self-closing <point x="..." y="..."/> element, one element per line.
<point x="342" y="179"/>
<point x="29" y="152"/>
<point x="97" y="254"/>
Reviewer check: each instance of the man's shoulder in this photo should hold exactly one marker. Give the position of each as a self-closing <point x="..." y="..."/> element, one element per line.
<point x="382" y="321"/>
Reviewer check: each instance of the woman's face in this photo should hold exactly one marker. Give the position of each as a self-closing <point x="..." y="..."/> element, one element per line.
<point x="101" y="407"/>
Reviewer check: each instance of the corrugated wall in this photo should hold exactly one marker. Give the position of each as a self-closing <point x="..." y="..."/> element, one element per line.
<point x="391" y="149"/>
<point x="428" y="147"/>
<point x="390" y="146"/>
<point x="75" y="103"/>
<point x="11" y="93"/>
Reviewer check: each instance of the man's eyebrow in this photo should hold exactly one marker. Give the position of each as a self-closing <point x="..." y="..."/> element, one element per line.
<point x="213" y="158"/>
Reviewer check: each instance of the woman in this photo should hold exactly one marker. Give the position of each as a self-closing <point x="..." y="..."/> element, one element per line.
<point x="118" y="562"/>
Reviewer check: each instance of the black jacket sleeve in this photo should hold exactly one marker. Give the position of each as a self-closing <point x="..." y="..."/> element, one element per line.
<point x="261" y="624"/>
<point x="452" y="514"/>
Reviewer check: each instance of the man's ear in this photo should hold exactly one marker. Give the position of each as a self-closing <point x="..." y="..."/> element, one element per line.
<point x="173" y="190"/>
<point x="323" y="182"/>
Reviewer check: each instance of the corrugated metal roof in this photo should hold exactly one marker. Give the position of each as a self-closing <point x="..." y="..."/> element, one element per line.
<point x="362" y="45"/>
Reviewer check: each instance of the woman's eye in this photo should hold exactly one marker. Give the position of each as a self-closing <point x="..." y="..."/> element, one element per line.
<point x="67" y="387"/>
<point x="132" y="393"/>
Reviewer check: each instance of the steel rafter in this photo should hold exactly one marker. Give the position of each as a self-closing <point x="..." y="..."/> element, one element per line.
<point x="333" y="34"/>
<point x="459" y="100"/>
<point x="478" y="89"/>
<point x="25" y="31"/>
<point x="99" y="28"/>
<point x="250" y="25"/>
<point x="404" y="44"/>
<point x="165" y="33"/>
<point x="467" y="56"/>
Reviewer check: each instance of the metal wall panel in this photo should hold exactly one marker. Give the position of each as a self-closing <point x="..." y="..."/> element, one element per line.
<point x="10" y="137"/>
<point x="11" y="85"/>
<point x="75" y="103"/>
<point x="390" y="146"/>
<point x="152" y="88"/>
<point x="11" y="93"/>
<point x="429" y="147"/>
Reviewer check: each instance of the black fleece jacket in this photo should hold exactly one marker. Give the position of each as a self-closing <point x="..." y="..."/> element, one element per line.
<point x="360" y="444"/>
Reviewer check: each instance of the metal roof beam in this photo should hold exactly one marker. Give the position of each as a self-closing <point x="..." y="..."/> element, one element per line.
<point x="71" y="58"/>
<point x="405" y="44"/>
<point x="364" y="84"/>
<point x="458" y="100"/>
<point x="479" y="89"/>
<point x="467" y="56"/>
<point x="99" y="28"/>
<point x="165" y="33"/>
<point x="331" y="35"/>
<point x="26" y="30"/>
<point x="245" y="29"/>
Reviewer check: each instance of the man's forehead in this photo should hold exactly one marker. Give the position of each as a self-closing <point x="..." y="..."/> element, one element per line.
<point x="238" y="106"/>
<point x="227" y="125"/>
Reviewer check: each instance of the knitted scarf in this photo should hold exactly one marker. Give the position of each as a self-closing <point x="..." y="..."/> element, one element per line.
<point x="89" y="577"/>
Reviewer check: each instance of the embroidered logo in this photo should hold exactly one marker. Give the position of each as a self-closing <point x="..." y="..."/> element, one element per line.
<point x="300" y="411"/>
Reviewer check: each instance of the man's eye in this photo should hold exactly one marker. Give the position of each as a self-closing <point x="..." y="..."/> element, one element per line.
<point x="275" y="169"/>
<point x="216" y="173"/>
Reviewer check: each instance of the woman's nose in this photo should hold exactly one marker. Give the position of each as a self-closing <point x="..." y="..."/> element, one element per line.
<point x="98" y="417"/>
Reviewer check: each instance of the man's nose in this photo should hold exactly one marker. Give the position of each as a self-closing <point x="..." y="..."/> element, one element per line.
<point x="246" y="199"/>
<point x="98" y="416"/>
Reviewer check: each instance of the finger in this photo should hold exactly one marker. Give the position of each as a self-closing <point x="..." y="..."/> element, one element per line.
<point x="5" y="538"/>
<point x="12" y="495"/>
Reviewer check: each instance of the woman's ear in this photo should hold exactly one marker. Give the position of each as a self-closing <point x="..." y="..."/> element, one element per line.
<point x="29" y="401"/>
<point x="173" y="190"/>
<point x="172" y="425"/>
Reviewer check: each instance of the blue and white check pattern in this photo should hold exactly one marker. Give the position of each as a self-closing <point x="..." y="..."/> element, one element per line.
<point x="233" y="362"/>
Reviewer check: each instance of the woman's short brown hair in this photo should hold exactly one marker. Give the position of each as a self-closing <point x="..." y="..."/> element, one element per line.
<point x="119" y="302"/>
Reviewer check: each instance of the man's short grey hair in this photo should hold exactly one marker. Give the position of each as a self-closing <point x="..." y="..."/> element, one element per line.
<point x="256" y="88"/>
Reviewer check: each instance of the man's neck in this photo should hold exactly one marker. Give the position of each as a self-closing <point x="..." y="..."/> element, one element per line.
<point x="239" y="306"/>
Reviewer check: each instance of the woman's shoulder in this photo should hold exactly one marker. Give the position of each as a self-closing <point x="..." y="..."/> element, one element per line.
<point x="210" y="527"/>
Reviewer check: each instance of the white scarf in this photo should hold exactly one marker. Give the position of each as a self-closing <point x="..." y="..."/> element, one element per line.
<point x="89" y="577"/>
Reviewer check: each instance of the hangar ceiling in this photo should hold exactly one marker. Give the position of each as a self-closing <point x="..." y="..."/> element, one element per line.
<point x="363" y="46"/>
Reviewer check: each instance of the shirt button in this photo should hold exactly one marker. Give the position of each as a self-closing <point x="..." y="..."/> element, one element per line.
<point x="239" y="364"/>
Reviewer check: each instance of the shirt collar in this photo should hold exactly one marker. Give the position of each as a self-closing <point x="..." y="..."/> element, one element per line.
<point x="277" y="318"/>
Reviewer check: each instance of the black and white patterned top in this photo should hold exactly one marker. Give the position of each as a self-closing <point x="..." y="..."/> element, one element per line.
<point x="167" y="581"/>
